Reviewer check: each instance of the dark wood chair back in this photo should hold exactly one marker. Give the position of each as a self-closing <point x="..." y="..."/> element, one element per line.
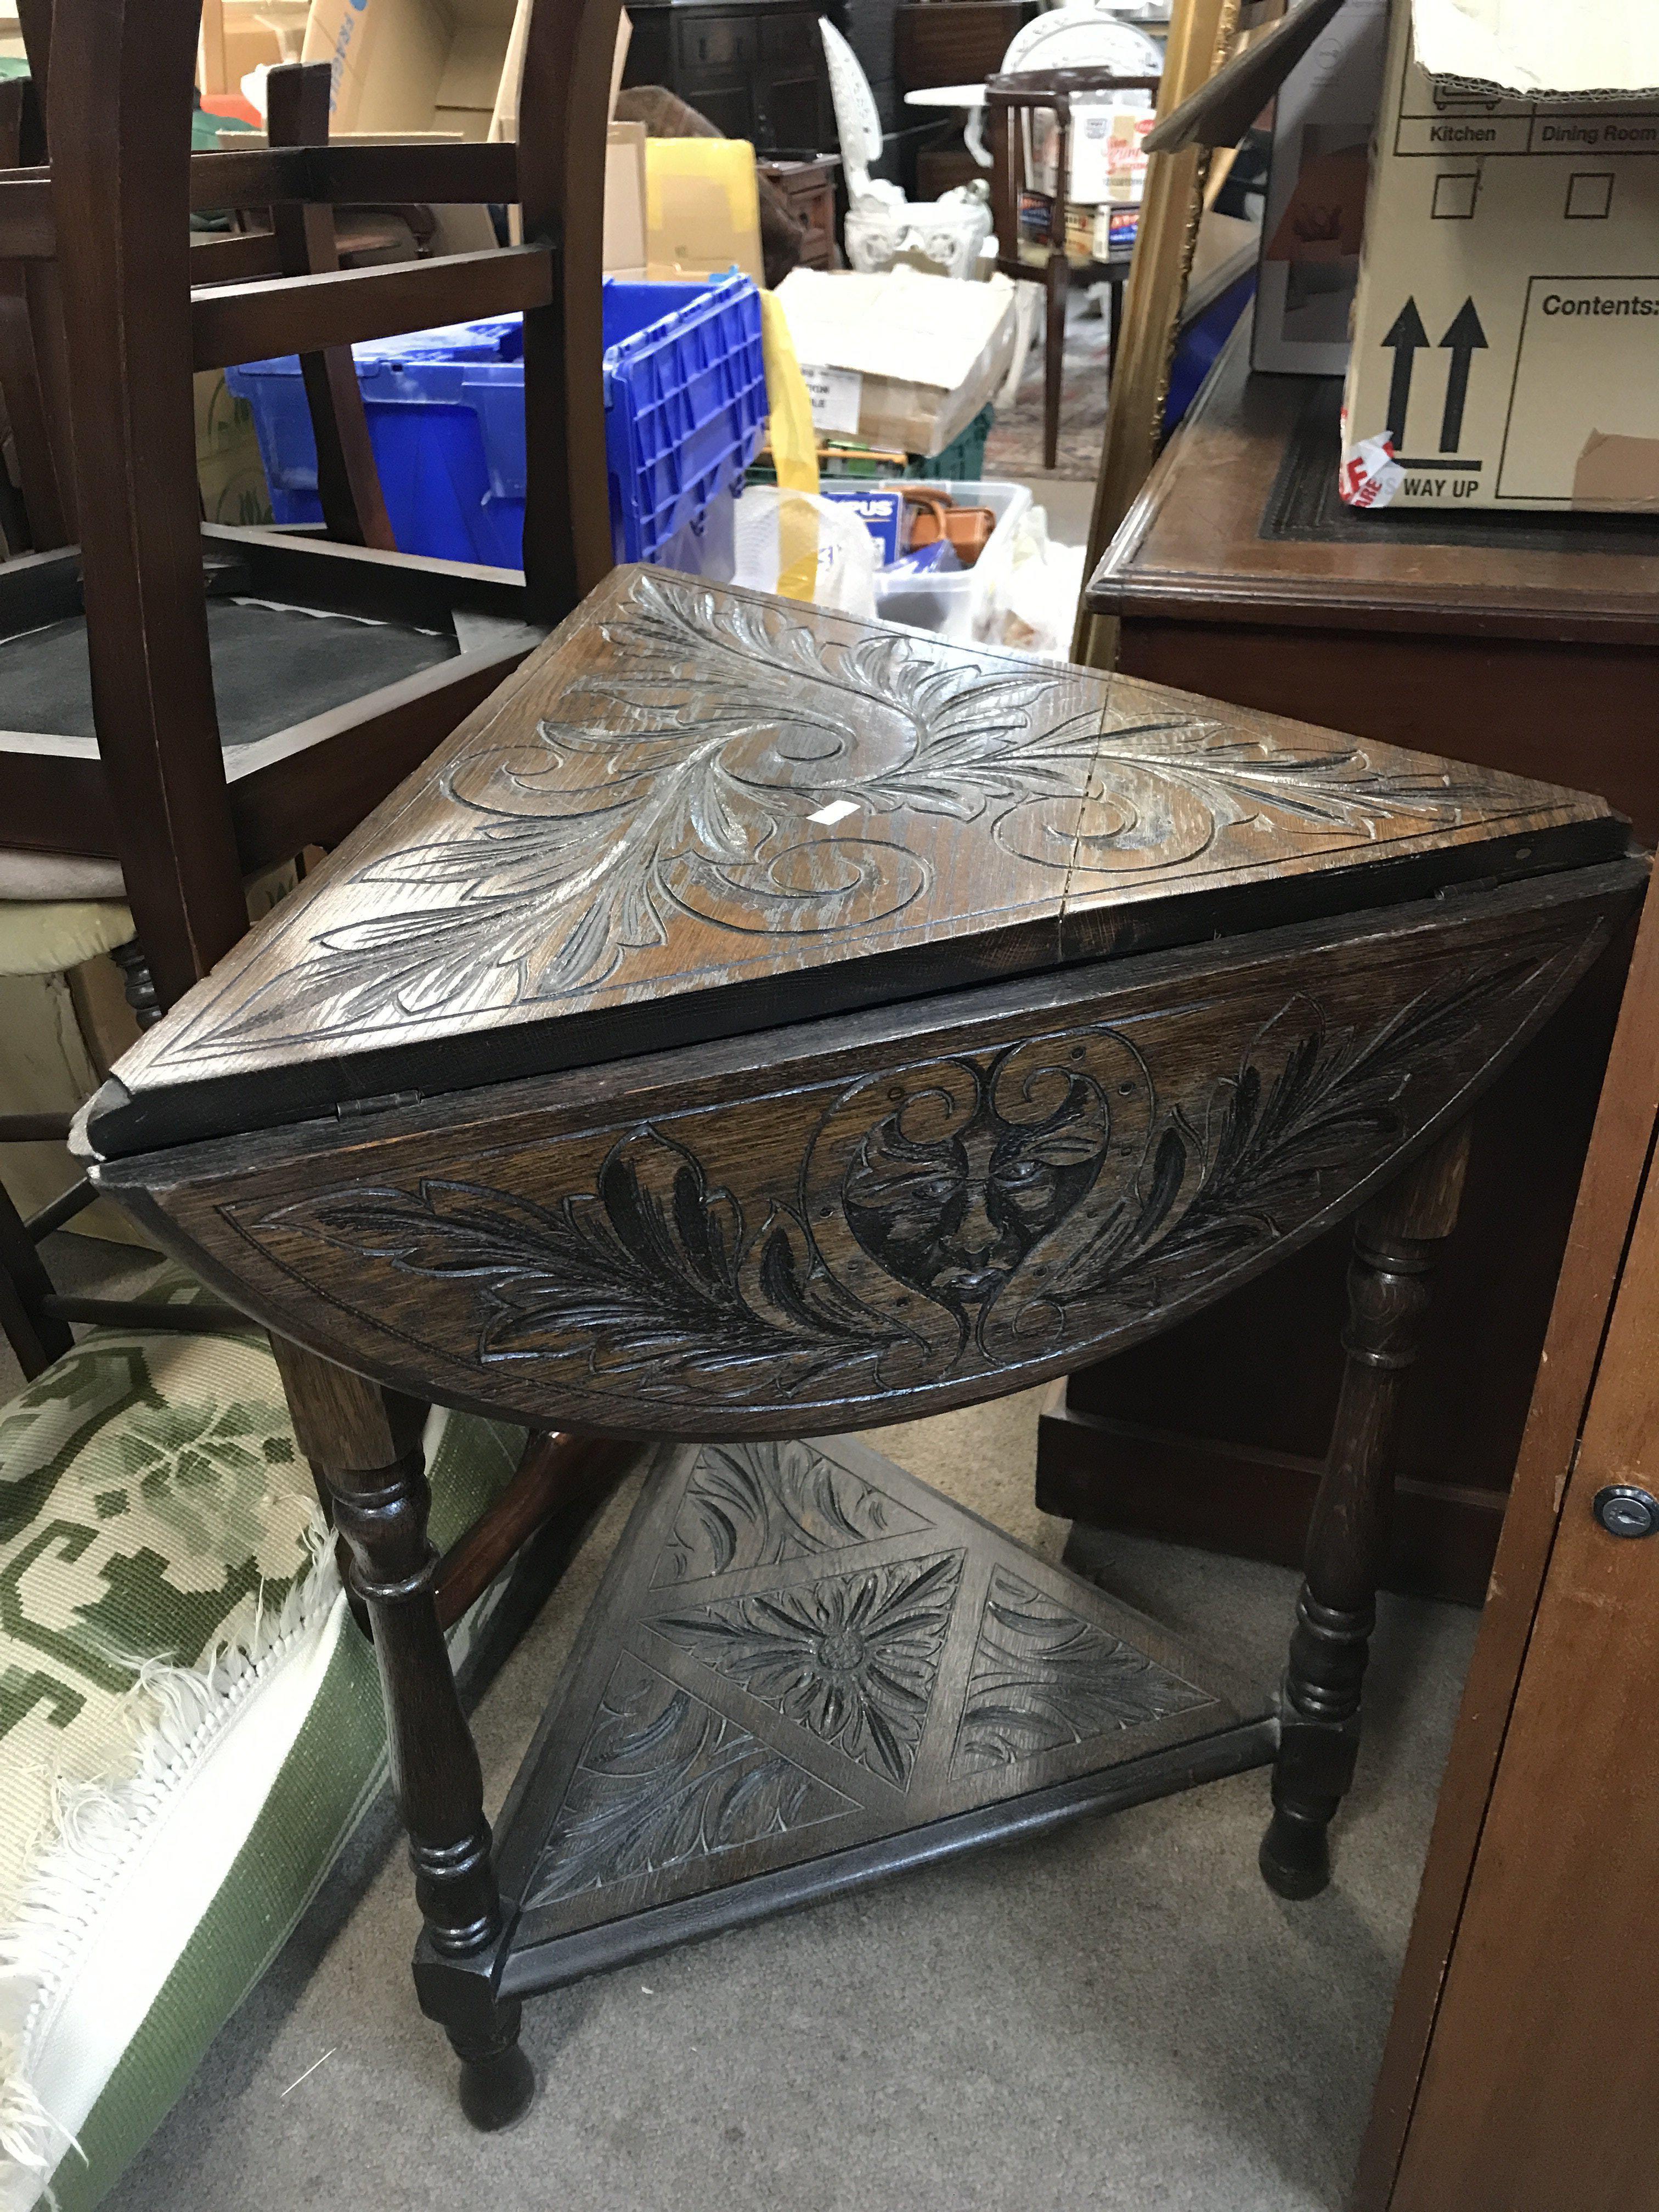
<point x="32" y="380"/>
<point x="142" y="309"/>
<point x="1012" y="102"/>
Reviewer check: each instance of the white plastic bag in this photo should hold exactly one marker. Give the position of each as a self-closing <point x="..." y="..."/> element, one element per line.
<point x="1034" y="603"/>
<point x="806" y="548"/>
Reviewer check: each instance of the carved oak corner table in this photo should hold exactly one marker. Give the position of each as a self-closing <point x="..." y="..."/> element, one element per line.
<point x="753" y="1025"/>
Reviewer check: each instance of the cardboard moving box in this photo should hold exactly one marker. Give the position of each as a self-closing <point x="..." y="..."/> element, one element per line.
<point x="625" y="247"/>
<point x="452" y="68"/>
<point x="1506" y="326"/>
<point x="412" y="65"/>
<point x="702" y="208"/>
<point x="901" y="360"/>
<point x="1314" y="218"/>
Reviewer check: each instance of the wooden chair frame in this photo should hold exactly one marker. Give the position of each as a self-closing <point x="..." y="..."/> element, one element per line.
<point x="32" y="375"/>
<point x="34" y="1318"/>
<point x="109" y="214"/>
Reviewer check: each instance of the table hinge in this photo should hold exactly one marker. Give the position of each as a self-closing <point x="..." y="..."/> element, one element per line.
<point x="352" y="1110"/>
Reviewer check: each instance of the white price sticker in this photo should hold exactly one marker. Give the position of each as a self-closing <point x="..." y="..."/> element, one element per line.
<point x="834" y="394"/>
<point x="837" y="811"/>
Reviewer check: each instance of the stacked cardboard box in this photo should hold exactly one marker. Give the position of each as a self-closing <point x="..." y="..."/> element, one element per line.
<point x="899" y="359"/>
<point x="1505" y="347"/>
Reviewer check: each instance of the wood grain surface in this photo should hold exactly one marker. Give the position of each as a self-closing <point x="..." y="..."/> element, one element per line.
<point x="858" y="1219"/>
<point x="341" y="307"/>
<point x="348" y="477"/>
<point x="1600" y="1250"/>
<point x="1538" y="2085"/>
<point x="118" y="190"/>
<point x="699" y="812"/>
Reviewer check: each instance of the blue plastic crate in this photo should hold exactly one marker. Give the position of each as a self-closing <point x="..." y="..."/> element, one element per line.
<point x="684" y="402"/>
<point x="685" y="406"/>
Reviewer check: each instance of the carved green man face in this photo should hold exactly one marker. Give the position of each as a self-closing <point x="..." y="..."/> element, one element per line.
<point x="952" y="1201"/>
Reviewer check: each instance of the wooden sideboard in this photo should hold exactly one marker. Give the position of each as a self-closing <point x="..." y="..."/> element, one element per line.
<point x="1529" y="643"/>
<point x="755" y="68"/>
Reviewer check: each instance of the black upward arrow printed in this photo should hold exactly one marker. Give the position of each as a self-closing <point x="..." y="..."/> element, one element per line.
<point x="1462" y="340"/>
<point x="1405" y="335"/>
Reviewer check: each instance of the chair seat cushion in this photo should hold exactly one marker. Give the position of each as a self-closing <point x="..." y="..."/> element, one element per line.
<point x="51" y="937"/>
<point x="273" y="666"/>
<point x="191" y="1721"/>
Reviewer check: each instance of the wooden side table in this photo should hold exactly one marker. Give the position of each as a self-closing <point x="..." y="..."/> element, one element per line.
<point x="1014" y="103"/>
<point x="1527" y="643"/>
<point x="807" y="186"/>
<point x="754" y="1025"/>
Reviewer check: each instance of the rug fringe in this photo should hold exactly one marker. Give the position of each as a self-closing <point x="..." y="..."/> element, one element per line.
<point x="175" y="1714"/>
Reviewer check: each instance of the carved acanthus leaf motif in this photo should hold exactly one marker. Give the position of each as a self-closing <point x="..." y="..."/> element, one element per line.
<point x="1212" y="1193"/>
<point x="1165" y="791"/>
<point x="854" y="1657"/>
<point x="652" y="1273"/>
<point x="663" y="1780"/>
<point x="683" y="776"/>
<point x="687" y="790"/>
<point x="1042" y="1677"/>
<point x="750" y="1505"/>
<point x="957" y="1215"/>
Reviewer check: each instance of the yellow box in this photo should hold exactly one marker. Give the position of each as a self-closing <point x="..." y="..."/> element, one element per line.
<point x="702" y="207"/>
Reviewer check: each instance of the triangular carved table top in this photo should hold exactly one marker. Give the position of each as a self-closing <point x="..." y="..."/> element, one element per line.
<point x="698" y="812"/>
<point x="805" y="1669"/>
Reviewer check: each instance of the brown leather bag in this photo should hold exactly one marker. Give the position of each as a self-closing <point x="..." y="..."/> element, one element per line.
<point x="935" y="514"/>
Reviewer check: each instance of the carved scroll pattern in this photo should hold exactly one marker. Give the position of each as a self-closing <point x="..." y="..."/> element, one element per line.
<point x="755" y="1506"/>
<point x="683" y="776"/>
<point x="663" y="1781"/>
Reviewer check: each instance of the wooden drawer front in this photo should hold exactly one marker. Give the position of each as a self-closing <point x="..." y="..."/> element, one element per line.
<point x="958" y="44"/>
<point x="789" y="41"/>
<point x="716" y="44"/>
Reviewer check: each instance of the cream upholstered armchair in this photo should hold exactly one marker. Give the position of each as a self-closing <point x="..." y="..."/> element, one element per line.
<point x="881" y="223"/>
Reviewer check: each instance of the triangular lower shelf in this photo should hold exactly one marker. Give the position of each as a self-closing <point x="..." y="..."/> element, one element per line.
<point x="803" y="1669"/>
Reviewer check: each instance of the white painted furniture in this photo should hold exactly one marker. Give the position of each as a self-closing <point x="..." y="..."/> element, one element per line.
<point x="881" y="223"/>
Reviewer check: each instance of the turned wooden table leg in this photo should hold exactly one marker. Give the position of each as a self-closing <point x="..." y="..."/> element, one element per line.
<point x="366" y="1448"/>
<point x="1397" y="1240"/>
<point x="1054" y="356"/>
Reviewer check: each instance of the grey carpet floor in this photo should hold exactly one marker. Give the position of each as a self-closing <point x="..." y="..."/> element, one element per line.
<point x="1117" y="2016"/>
